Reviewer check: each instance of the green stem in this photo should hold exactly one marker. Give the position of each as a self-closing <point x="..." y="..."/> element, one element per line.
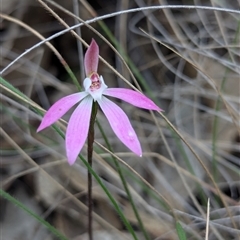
<point x="124" y="182"/>
<point x="118" y="167"/>
<point x="89" y="154"/>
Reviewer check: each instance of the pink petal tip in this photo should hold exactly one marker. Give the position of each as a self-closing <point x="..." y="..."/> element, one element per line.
<point x="133" y="97"/>
<point x="121" y="125"/>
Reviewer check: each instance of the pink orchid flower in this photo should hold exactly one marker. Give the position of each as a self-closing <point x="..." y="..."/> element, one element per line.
<point x="96" y="90"/>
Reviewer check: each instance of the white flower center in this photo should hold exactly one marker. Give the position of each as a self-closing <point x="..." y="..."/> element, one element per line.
<point x="95" y="86"/>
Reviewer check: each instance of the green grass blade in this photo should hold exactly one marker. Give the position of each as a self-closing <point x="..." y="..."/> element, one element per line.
<point x="111" y="198"/>
<point x="180" y="231"/>
<point x="31" y="213"/>
<point x="125" y="185"/>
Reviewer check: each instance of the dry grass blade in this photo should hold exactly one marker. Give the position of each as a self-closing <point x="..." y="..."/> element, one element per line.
<point x="208" y="219"/>
<point x="45" y="174"/>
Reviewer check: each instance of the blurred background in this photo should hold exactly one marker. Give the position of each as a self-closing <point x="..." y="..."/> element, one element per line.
<point x="185" y="60"/>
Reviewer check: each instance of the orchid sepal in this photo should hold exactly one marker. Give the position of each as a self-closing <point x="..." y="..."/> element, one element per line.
<point x="91" y="58"/>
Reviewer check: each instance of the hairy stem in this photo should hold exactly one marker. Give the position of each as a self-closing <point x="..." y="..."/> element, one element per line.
<point x="90" y="153"/>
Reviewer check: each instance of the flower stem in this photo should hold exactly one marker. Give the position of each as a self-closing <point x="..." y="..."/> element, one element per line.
<point x="90" y="152"/>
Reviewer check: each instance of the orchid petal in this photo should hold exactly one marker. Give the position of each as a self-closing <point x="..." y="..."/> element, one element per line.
<point x="59" y="108"/>
<point x="77" y="129"/>
<point x="91" y="58"/>
<point x="135" y="98"/>
<point x="120" y="125"/>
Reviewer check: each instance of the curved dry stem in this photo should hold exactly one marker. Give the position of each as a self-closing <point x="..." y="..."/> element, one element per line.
<point x="113" y="15"/>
